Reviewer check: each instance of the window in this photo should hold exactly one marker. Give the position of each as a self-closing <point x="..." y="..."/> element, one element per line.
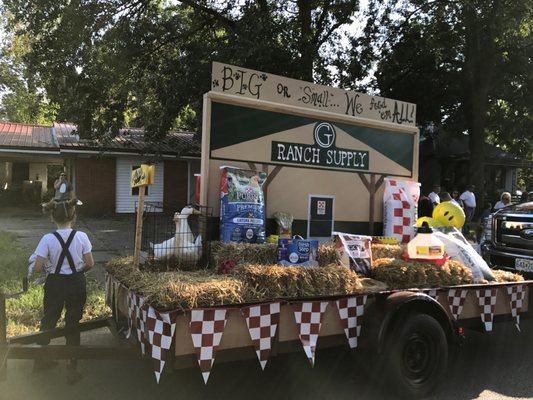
<point x="135" y="191"/>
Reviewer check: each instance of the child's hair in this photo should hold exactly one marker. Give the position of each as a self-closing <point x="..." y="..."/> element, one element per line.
<point x="61" y="212"/>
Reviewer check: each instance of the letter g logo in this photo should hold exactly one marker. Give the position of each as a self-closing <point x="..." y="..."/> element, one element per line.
<point x="324" y="134"/>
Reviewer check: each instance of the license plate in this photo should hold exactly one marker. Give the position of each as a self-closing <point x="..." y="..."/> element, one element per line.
<point x="523" y="265"/>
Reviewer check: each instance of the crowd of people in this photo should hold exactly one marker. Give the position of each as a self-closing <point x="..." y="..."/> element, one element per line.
<point x="467" y="201"/>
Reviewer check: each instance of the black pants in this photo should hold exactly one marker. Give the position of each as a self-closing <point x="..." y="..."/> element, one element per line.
<point x="67" y="291"/>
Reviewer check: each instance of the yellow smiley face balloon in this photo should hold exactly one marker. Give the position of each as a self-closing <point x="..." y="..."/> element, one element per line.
<point x="449" y="214"/>
<point x="432" y="222"/>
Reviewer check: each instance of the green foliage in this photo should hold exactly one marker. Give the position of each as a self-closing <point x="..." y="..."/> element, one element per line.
<point x="21" y="100"/>
<point x="108" y="64"/>
<point x="466" y="64"/>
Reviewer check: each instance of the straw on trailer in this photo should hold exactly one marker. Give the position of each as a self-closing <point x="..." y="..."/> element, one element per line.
<point x="400" y="274"/>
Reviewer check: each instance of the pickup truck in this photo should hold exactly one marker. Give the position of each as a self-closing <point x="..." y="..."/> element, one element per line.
<point x="508" y="238"/>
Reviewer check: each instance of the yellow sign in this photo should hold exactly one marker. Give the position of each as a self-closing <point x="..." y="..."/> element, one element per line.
<point x="142" y="176"/>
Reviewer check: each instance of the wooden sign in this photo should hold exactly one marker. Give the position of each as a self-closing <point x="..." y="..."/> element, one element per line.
<point x="243" y="82"/>
<point x="140" y="177"/>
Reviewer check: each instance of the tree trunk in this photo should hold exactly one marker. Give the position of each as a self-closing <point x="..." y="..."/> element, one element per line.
<point x="480" y="58"/>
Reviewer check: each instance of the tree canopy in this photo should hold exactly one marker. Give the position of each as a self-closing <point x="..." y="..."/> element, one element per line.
<point x="109" y="63"/>
<point x="105" y="64"/>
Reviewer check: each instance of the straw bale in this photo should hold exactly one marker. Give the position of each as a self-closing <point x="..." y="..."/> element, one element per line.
<point x="246" y="283"/>
<point x="264" y="254"/>
<point x="327" y="254"/>
<point x="386" y="251"/>
<point x="506" y="276"/>
<point x="400" y="274"/>
<point x="244" y="253"/>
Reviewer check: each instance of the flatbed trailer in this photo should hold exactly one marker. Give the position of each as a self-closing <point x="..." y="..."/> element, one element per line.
<point x="409" y="332"/>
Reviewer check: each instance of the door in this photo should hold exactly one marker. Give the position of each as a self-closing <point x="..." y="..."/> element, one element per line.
<point x="320" y="216"/>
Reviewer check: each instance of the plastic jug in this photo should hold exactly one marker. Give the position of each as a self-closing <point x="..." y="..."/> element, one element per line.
<point x="425" y="245"/>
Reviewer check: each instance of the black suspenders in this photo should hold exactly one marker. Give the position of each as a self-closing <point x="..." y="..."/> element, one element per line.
<point x="65" y="252"/>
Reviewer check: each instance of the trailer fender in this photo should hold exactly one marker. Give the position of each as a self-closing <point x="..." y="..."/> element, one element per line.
<point x="386" y="311"/>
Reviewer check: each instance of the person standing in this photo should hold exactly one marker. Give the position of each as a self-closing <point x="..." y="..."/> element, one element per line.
<point x="434" y="195"/>
<point x="505" y="200"/>
<point x="456" y="199"/>
<point x="66" y="255"/>
<point x="469" y="200"/>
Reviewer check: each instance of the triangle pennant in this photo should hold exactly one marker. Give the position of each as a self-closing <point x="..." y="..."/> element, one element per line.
<point x="351" y="310"/>
<point x="262" y="321"/>
<point x="516" y="299"/>
<point x="308" y="316"/>
<point x="487" y="305"/>
<point x="161" y="328"/>
<point x="456" y="301"/>
<point x="207" y="327"/>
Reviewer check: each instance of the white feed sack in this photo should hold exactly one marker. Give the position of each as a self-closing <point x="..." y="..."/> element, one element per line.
<point x="400" y="200"/>
<point x="458" y="249"/>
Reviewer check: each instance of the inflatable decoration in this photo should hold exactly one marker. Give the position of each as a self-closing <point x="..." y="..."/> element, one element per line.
<point x="449" y="214"/>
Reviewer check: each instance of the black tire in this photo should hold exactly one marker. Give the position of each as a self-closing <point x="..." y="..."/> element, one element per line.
<point x="415" y="356"/>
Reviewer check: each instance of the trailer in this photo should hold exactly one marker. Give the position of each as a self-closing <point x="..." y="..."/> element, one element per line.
<point x="410" y="332"/>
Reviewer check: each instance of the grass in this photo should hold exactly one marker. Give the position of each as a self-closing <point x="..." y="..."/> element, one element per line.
<point x="24" y="312"/>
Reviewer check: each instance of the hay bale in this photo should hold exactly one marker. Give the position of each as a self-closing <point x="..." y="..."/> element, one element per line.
<point x="244" y="253"/>
<point x="506" y="276"/>
<point x="386" y="251"/>
<point x="178" y="289"/>
<point x="400" y="274"/>
<point x="263" y="254"/>
<point x="327" y="254"/>
<point x="246" y="283"/>
<point x="274" y="281"/>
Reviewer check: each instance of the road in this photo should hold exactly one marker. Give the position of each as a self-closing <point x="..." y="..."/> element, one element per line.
<point x="488" y="366"/>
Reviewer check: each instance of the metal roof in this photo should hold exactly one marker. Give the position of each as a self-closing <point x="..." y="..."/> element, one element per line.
<point x="128" y="140"/>
<point x="63" y="137"/>
<point x="27" y="137"/>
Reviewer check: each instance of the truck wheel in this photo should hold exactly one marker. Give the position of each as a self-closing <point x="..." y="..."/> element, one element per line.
<point x="416" y="356"/>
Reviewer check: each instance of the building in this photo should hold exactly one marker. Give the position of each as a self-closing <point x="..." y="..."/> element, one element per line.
<point x="33" y="156"/>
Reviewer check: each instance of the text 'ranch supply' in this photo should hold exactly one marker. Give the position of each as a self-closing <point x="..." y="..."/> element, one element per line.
<point x="242" y="206"/>
<point x="354" y="251"/>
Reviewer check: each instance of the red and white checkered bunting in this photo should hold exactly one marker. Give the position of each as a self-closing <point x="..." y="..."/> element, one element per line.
<point x="487" y="305"/>
<point x="351" y="311"/>
<point x="433" y="293"/>
<point x="161" y="328"/>
<point x="308" y="316"/>
<point x="207" y="327"/>
<point x="262" y="321"/>
<point x="456" y="301"/>
<point x="516" y="294"/>
<point x="137" y="319"/>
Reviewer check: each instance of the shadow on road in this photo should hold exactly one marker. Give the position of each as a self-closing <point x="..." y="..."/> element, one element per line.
<point x="487" y="366"/>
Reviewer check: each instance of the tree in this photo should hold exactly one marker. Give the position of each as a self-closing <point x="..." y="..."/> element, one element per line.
<point x="108" y="62"/>
<point x="466" y="64"/>
<point x="21" y="101"/>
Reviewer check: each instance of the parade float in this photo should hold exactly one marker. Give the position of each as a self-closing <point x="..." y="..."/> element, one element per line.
<point x="294" y="177"/>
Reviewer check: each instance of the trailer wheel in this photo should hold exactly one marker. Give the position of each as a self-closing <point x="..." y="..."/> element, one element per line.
<point x="416" y="355"/>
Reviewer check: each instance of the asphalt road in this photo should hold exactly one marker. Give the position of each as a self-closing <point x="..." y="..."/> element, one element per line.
<point x="488" y="366"/>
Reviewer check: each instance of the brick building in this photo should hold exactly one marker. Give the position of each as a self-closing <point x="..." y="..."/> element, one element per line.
<point x="33" y="156"/>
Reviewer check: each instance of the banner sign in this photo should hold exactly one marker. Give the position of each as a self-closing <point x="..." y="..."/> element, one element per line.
<point x="322" y="153"/>
<point x="258" y="85"/>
